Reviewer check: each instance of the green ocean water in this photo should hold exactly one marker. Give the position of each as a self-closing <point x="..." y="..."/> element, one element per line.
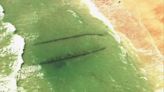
<point x="75" y="51"/>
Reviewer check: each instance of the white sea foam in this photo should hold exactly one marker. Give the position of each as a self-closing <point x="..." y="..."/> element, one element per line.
<point x="1" y="9"/>
<point x="1" y="13"/>
<point x="9" y="83"/>
<point x="9" y="28"/>
<point x="28" y="71"/>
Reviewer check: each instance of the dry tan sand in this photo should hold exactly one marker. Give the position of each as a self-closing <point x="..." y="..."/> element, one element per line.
<point x="142" y="22"/>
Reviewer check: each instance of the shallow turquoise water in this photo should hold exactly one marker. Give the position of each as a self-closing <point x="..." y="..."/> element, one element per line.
<point x="75" y="50"/>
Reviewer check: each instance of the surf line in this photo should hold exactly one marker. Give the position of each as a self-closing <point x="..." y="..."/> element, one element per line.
<point x="8" y="83"/>
<point x="94" y="11"/>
